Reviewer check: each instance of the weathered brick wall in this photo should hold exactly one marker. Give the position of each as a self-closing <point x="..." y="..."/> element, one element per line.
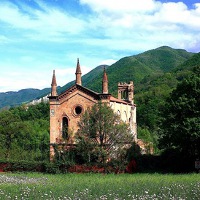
<point x="66" y="108"/>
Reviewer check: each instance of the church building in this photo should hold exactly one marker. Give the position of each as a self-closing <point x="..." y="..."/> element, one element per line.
<point x="67" y="107"/>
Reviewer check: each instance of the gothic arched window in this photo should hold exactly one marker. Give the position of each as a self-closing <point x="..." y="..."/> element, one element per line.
<point x="65" y="127"/>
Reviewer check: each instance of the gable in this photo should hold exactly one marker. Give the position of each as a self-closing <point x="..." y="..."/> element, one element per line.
<point x="69" y="93"/>
<point x="78" y="98"/>
<point x="87" y="93"/>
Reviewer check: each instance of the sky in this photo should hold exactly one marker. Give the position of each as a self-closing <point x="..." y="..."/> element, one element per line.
<point x="39" y="36"/>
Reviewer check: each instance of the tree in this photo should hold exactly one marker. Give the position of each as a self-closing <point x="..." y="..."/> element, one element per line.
<point x="33" y="140"/>
<point x="9" y="127"/>
<point x="102" y="134"/>
<point x="24" y="132"/>
<point x="32" y="112"/>
<point x="181" y="117"/>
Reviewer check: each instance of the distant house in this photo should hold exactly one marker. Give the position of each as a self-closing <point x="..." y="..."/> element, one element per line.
<point x="67" y="107"/>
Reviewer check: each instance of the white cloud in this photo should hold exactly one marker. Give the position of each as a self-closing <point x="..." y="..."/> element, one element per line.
<point x="108" y="62"/>
<point x="178" y="14"/>
<point x="39" y="78"/>
<point x="120" y="6"/>
<point x="114" y="21"/>
<point x="145" y="24"/>
<point x="47" y="23"/>
<point x="21" y="80"/>
<point x="173" y="12"/>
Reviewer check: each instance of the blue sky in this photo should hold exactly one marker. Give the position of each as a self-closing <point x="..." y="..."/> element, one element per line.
<point x="38" y="36"/>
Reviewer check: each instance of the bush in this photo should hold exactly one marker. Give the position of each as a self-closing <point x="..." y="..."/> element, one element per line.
<point x="176" y="162"/>
<point x="51" y="168"/>
<point x="27" y="166"/>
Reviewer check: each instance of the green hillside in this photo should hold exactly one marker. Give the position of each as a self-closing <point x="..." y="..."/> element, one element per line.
<point x="138" y="67"/>
<point x="153" y="91"/>
<point x="10" y="99"/>
<point x="164" y="58"/>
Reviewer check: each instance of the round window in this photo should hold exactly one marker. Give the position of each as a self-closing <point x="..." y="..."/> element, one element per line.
<point x="78" y="110"/>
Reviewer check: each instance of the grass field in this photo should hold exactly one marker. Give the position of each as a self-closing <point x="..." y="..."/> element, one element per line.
<point x="99" y="186"/>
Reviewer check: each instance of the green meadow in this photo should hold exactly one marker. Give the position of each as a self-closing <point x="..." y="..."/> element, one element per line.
<point x="99" y="186"/>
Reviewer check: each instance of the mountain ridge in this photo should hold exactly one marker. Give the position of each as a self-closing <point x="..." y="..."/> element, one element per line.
<point x="15" y="98"/>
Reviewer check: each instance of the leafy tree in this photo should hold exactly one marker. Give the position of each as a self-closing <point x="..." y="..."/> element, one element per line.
<point x="24" y="132"/>
<point x="102" y="134"/>
<point x="9" y="127"/>
<point x="32" y="112"/>
<point x="181" y="118"/>
<point x="34" y="139"/>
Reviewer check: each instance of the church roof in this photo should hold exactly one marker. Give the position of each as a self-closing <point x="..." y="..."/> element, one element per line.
<point x="95" y="95"/>
<point x="75" y="87"/>
<point x="113" y="99"/>
<point x="78" y="87"/>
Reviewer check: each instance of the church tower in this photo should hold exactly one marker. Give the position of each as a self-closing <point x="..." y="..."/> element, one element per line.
<point x="78" y="73"/>
<point x="126" y="91"/>
<point x="53" y="85"/>
<point x="53" y="109"/>
<point x="105" y="83"/>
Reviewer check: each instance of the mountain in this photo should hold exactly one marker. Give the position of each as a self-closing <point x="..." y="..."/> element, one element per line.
<point x="141" y="67"/>
<point x="153" y="91"/>
<point x="164" y="58"/>
<point x="153" y="62"/>
<point x="10" y="99"/>
<point x="190" y="63"/>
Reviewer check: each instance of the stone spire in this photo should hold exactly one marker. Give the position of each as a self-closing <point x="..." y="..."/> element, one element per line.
<point x="53" y="85"/>
<point x="105" y="83"/>
<point x="78" y="73"/>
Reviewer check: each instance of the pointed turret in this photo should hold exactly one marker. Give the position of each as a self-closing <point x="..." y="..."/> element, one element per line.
<point x="78" y="73"/>
<point x="105" y="83"/>
<point x="53" y="85"/>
